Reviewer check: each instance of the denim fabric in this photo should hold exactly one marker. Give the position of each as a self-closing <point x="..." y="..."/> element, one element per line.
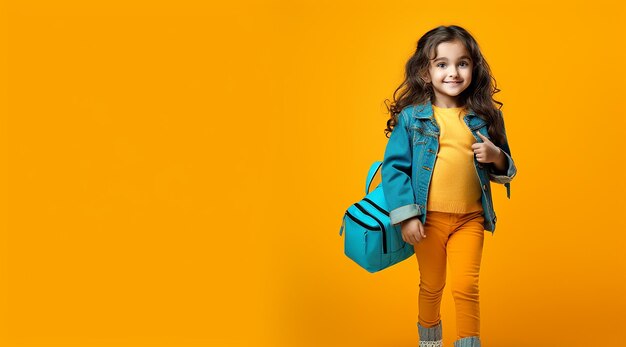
<point x="410" y="157"/>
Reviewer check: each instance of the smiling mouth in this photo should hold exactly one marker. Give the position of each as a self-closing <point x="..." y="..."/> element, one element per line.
<point x="454" y="82"/>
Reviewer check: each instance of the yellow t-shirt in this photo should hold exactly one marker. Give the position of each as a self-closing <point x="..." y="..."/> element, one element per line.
<point x="455" y="186"/>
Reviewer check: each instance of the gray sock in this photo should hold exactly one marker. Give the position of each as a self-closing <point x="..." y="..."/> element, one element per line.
<point x="430" y="334"/>
<point x="470" y="341"/>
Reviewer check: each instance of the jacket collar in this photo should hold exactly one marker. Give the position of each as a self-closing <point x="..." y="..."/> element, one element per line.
<point x="425" y="110"/>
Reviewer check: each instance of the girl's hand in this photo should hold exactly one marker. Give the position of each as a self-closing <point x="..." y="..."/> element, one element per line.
<point x="412" y="230"/>
<point x="486" y="151"/>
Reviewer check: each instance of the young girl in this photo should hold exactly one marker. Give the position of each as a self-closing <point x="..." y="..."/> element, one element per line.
<point x="448" y="143"/>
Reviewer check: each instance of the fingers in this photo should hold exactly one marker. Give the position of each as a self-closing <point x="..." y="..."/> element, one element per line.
<point x="412" y="236"/>
<point x="410" y="239"/>
<point x="419" y="232"/>
<point x="478" y="150"/>
<point x="407" y="239"/>
<point x="417" y="237"/>
<point x="485" y="139"/>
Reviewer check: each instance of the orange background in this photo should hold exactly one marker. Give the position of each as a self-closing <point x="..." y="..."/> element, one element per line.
<point x="174" y="174"/>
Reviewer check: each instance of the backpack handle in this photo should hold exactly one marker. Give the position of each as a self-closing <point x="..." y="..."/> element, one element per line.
<point x="370" y="175"/>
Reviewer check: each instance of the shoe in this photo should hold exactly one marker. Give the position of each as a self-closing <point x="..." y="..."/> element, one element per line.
<point x="430" y="337"/>
<point x="470" y="341"/>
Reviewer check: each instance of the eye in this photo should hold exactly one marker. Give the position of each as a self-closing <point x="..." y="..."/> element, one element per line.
<point x="463" y="63"/>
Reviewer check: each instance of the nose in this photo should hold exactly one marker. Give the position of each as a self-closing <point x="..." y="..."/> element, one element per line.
<point x="453" y="72"/>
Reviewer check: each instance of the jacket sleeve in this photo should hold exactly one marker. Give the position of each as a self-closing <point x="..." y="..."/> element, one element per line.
<point x="504" y="177"/>
<point x="396" y="174"/>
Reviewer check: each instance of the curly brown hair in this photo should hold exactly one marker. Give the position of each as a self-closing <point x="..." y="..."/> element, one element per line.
<point x="478" y="96"/>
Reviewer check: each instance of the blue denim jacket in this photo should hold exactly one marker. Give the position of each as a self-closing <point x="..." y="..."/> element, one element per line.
<point x="410" y="157"/>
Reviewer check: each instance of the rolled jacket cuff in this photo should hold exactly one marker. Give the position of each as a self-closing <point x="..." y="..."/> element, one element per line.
<point x="510" y="171"/>
<point x="404" y="212"/>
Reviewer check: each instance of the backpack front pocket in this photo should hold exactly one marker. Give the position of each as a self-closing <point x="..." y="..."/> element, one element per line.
<point x="363" y="240"/>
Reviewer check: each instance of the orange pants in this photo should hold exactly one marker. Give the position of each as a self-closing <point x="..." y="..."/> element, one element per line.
<point x="459" y="236"/>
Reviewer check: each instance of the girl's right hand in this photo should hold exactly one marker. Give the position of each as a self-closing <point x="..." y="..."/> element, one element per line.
<point x="412" y="230"/>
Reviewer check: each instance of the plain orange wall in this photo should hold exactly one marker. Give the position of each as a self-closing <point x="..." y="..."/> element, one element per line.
<point x="174" y="174"/>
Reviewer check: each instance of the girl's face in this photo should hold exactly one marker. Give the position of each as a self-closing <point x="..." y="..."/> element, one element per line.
<point x="450" y="73"/>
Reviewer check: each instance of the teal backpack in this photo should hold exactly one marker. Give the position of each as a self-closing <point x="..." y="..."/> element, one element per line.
<point x="370" y="239"/>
